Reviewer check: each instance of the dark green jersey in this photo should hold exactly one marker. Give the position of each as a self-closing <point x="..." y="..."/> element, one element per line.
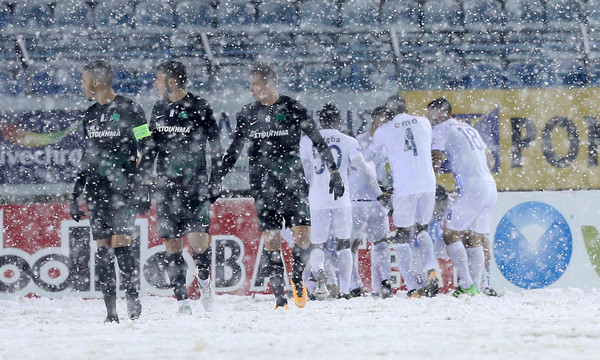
<point x="113" y="134"/>
<point x="183" y="133"/>
<point x="274" y="135"/>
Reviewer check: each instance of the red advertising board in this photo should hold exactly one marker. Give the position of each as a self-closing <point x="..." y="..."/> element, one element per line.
<point x="44" y="252"/>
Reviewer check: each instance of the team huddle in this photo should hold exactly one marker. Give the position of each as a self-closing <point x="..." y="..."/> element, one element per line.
<point x="331" y="190"/>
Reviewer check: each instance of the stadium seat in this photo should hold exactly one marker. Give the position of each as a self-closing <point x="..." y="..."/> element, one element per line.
<point x="484" y="75"/>
<point x="528" y="74"/>
<point x="126" y="82"/>
<point x="191" y="15"/>
<point x="524" y="15"/>
<point x="154" y="15"/>
<point x="441" y="15"/>
<point x="44" y="83"/>
<point x="356" y="13"/>
<point x="568" y="70"/>
<point x="482" y="15"/>
<point x="6" y="84"/>
<point x="592" y="10"/>
<point x="71" y="15"/>
<point x="564" y="14"/>
<point x="235" y="13"/>
<point x="441" y="75"/>
<point x="400" y="12"/>
<point x="277" y="13"/>
<point x="32" y="15"/>
<point x="232" y="77"/>
<point x="409" y="76"/>
<point x="113" y="15"/>
<point x="198" y="77"/>
<point x="6" y="18"/>
<point x="315" y="14"/>
<point x="320" y="76"/>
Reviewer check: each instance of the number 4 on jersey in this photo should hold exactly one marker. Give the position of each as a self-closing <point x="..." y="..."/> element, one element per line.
<point x="409" y="142"/>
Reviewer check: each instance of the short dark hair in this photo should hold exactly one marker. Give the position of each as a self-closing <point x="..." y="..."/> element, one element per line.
<point x="265" y="71"/>
<point x="330" y="117"/>
<point x="440" y="193"/>
<point x="174" y="70"/>
<point x="440" y="104"/>
<point x="101" y="71"/>
<point x="382" y="111"/>
<point x="396" y="104"/>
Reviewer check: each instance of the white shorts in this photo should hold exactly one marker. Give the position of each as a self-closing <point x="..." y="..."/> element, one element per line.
<point x="330" y="222"/>
<point x="369" y="220"/>
<point x="413" y="208"/>
<point x="473" y="210"/>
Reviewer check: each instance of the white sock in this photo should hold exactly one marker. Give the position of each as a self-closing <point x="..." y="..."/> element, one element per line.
<point x="317" y="260"/>
<point x="405" y="260"/>
<point x="331" y="268"/>
<point x="485" y="280"/>
<point x="184" y="302"/>
<point x="355" y="280"/>
<point x="458" y="254"/>
<point x="204" y="282"/>
<point x="310" y="285"/>
<point x="476" y="261"/>
<point x="345" y="269"/>
<point x="426" y="244"/>
<point x="383" y="266"/>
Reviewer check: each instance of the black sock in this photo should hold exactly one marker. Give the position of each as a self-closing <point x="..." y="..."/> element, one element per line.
<point x="107" y="277"/>
<point x="127" y="268"/>
<point x="203" y="262"/>
<point x="301" y="257"/>
<point x="276" y="273"/>
<point x="176" y="270"/>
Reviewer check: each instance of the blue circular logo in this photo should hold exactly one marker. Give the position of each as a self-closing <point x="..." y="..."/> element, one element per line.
<point x="533" y="245"/>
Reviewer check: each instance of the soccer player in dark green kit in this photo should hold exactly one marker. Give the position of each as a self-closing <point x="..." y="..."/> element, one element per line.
<point x="273" y="125"/>
<point x="115" y="129"/>
<point x="183" y="127"/>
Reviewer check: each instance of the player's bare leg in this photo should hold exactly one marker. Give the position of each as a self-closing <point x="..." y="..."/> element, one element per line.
<point x="122" y="248"/>
<point x="200" y="243"/>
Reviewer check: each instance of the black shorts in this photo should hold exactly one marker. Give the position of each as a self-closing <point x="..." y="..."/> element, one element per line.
<point x="180" y="211"/>
<point x="108" y="208"/>
<point x="273" y="208"/>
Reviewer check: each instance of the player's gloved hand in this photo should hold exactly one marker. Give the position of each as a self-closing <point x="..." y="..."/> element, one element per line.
<point x="76" y="214"/>
<point x="214" y="190"/>
<point x="142" y="199"/>
<point x="336" y="185"/>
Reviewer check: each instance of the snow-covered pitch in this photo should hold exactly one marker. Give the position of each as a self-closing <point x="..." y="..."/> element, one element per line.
<point x="539" y="324"/>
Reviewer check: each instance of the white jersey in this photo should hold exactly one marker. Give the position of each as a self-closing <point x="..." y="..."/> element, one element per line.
<point x="359" y="188"/>
<point x="466" y="153"/>
<point x="345" y="151"/>
<point x="407" y="142"/>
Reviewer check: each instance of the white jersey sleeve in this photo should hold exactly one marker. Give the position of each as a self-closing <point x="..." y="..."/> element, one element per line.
<point x="362" y="177"/>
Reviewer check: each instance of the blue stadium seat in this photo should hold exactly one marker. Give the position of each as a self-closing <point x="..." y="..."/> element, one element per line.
<point x="197" y="77"/>
<point x="441" y="75"/>
<point x="357" y="76"/>
<point x="235" y="13"/>
<point x="71" y="14"/>
<point x="528" y="74"/>
<point x="360" y="13"/>
<point x="191" y="15"/>
<point x="484" y="76"/>
<point x="409" y="76"/>
<point x="318" y="14"/>
<point x="524" y="15"/>
<point x="482" y="15"/>
<point x="403" y="13"/>
<point x="320" y="76"/>
<point x="568" y="70"/>
<point x="6" y="18"/>
<point x="32" y="15"/>
<point x="232" y="77"/>
<point x="44" y="83"/>
<point x="126" y="82"/>
<point x="153" y="15"/>
<point x="113" y="15"/>
<point x="277" y="13"/>
<point x="68" y="79"/>
<point x="6" y="84"/>
<point x="592" y="11"/>
<point x="441" y="15"/>
<point x="564" y="14"/>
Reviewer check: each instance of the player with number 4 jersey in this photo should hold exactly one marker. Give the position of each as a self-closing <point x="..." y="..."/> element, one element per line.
<point x="407" y="141"/>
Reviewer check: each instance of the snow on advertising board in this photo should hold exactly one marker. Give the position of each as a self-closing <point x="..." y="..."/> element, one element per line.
<point x="539" y="240"/>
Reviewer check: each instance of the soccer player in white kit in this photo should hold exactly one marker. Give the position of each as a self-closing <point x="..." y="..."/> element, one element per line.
<point x="369" y="216"/>
<point x="331" y="217"/>
<point x="470" y="214"/>
<point x="407" y="141"/>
